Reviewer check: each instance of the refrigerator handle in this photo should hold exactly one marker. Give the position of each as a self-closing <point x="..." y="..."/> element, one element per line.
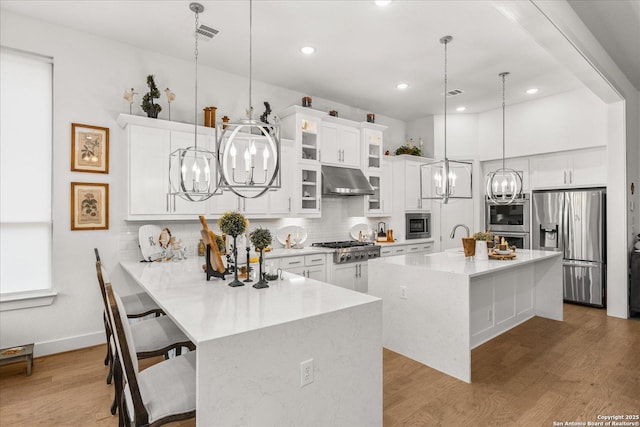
<point x="585" y="264"/>
<point x="565" y="223"/>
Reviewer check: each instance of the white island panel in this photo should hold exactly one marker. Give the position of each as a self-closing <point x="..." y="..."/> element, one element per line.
<point x="437" y="307"/>
<point x="251" y="342"/>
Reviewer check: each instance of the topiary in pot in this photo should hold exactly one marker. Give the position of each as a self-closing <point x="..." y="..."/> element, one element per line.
<point x="147" y="105"/>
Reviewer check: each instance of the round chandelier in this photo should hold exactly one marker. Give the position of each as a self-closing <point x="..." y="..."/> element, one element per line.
<point x="248" y="152"/>
<point x="504" y="185"/>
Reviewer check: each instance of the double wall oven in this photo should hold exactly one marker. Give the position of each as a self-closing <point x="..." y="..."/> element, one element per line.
<point x="510" y="221"/>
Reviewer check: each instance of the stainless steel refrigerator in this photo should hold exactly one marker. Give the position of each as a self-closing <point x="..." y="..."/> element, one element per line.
<point x="573" y="222"/>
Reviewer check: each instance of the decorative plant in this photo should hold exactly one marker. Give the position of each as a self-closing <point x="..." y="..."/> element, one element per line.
<point x="483" y="236"/>
<point x="260" y="237"/>
<point x="147" y="105"/>
<point x="264" y="116"/>
<point x="90" y="205"/>
<point x="405" y="149"/>
<point x="233" y="223"/>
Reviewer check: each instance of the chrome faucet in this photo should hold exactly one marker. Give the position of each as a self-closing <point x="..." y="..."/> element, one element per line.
<point x="455" y="227"/>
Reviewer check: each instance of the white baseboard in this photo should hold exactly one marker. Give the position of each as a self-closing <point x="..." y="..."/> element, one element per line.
<point x="67" y="344"/>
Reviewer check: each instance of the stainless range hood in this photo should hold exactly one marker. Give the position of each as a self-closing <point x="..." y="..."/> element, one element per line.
<point x="338" y="181"/>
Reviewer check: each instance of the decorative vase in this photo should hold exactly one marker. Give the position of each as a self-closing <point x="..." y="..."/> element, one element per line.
<point x="152" y="114"/>
<point x="469" y="246"/>
<point x="481" y="250"/>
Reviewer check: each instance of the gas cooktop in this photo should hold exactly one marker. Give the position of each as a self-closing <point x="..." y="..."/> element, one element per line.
<point x="351" y="251"/>
<point x="343" y="244"/>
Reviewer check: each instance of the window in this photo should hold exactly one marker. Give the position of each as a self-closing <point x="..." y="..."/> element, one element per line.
<point x="26" y="88"/>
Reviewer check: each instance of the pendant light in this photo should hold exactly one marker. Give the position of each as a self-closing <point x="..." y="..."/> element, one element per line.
<point x="248" y="151"/>
<point x="445" y="179"/>
<point x="190" y="169"/>
<point x="504" y="185"/>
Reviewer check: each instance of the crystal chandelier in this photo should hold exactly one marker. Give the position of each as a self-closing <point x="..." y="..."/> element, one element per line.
<point x="190" y="168"/>
<point x="504" y="185"/>
<point x="445" y="179"/>
<point x="248" y="152"/>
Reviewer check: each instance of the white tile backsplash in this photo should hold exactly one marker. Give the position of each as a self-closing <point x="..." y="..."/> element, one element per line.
<point x="334" y="225"/>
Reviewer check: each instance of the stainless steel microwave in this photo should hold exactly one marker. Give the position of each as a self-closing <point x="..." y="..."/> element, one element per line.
<point x="418" y="225"/>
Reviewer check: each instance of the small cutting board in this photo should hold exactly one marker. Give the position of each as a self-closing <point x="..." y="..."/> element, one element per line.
<point x="494" y="255"/>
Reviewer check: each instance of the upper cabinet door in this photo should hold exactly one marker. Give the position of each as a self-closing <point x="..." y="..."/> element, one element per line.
<point x="350" y="141"/>
<point x="149" y="150"/>
<point x="331" y="150"/>
<point x="340" y="145"/>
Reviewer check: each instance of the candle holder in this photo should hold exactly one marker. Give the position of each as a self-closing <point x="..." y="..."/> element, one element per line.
<point x="248" y="279"/>
<point x="235" y="282"/>
<point x="262" y="283"/>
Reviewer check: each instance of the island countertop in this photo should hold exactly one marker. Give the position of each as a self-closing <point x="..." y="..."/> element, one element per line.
<point x="455" y="262"/>
<point x="210" y="309"/>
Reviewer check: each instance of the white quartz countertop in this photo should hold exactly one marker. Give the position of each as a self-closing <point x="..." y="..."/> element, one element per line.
<point x="207" y="310"/>
<point x="455" y="262"/>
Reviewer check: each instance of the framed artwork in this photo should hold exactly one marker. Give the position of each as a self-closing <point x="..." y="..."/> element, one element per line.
<point x="89" y="206"/>
<point x="89" y="148"/>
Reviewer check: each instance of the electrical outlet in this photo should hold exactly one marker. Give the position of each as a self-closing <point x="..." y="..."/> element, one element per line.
<point x="403" y="292"/>
<point x="306" y="372"/>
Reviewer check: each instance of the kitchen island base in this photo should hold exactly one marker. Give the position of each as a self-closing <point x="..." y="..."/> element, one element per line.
<point x="438" y="307"/>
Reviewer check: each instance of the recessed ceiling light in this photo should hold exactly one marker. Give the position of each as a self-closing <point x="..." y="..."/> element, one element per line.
<point x="461" y="109"/>
<point x="382" y="3"/>
<point x="402" y="86"/>
<point x="307" y="50"/>
<point x="532" y="90"/>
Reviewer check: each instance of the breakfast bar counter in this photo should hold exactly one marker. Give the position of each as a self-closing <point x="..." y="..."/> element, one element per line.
<point x="438" y="307"/>
<point x="251" y="344"/>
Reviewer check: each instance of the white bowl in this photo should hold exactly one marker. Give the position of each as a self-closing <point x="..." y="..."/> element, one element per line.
<point x="499" y="252"/>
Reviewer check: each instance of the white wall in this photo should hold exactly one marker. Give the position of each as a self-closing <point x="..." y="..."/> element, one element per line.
<point x="422" y="128"/>
<point x="90" y="76"/>
<point x="566" y="121"/>
<point x="462" y="136"/>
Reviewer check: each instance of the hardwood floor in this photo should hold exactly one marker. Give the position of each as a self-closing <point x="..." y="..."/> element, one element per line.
<point x="540" y="372"/>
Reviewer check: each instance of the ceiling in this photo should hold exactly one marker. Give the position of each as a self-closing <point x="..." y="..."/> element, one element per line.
<point x="362" y="50"/>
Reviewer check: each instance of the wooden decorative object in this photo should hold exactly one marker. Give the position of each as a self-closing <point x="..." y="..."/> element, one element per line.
<point x="89" y="148"/>
<point x="469" y="246"/>
<point x="215" y="267"/>
<point x="89" y="206"/>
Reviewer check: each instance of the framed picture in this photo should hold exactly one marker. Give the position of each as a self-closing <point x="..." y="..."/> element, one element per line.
<point x="89" y="206"/>
<point x="89" y="148"/>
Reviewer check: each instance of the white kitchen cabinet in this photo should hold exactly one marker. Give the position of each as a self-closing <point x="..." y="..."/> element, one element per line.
<point x="340" y="145"/>
<point x="520" y="165"/>
<point x="579" y="168"/>
<point x="149" y="145"/>
<point x="311" y="266"/>
<point x="407" y="248"/>
<point x="308" y="181"/>
<point x="407" y="173"/>
<point x="281" y="200"/>
<point x="372" y="159"/>
<point x="274" y="203"/>
<point x="352" y="276"/>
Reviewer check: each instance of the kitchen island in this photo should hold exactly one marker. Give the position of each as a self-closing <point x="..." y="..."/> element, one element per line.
<point x="438" y="307"/>
<point x="251" y="344"/>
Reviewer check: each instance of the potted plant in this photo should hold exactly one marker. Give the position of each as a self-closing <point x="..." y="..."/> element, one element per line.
<point x="147" y="105"/>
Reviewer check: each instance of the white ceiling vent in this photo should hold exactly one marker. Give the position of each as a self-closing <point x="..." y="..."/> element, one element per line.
<point x="206" y="32"/>
<point x="454" y="92"/>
